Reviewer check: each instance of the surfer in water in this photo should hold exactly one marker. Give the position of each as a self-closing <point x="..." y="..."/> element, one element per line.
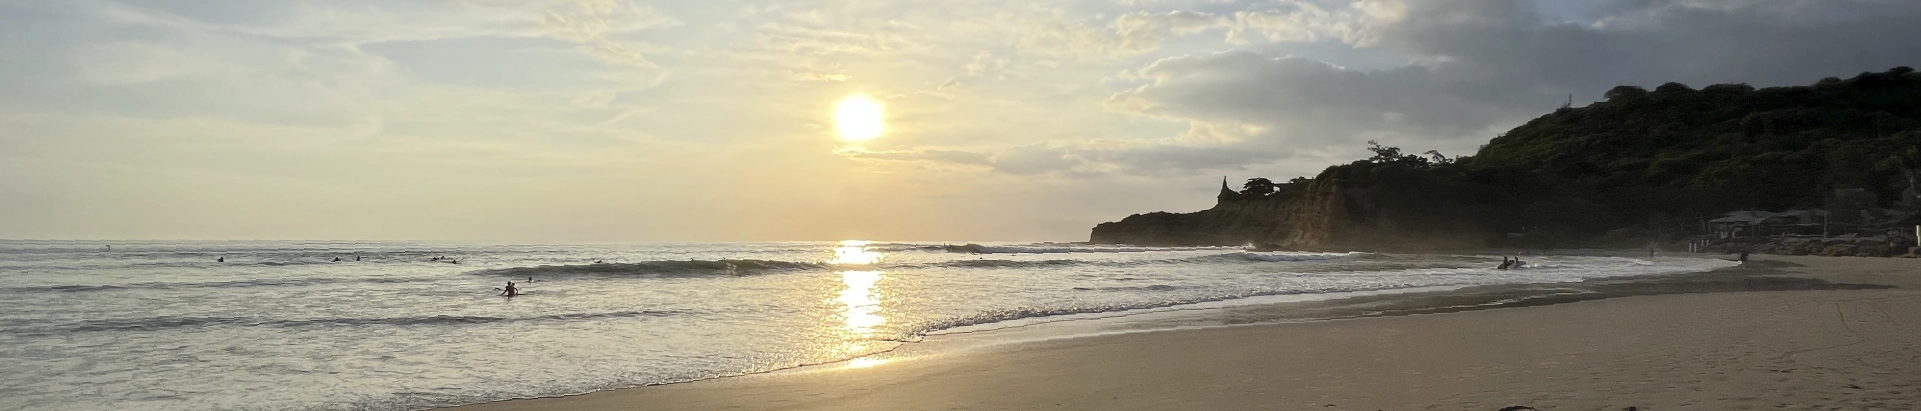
<point x="1505" y="263"/>
<point x="220" y="260"/>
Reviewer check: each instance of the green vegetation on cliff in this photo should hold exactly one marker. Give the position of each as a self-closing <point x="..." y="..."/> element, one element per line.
<point x="1660" y="160"/>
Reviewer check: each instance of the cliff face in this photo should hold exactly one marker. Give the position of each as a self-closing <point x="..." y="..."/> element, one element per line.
<point x="1316" y="216"/>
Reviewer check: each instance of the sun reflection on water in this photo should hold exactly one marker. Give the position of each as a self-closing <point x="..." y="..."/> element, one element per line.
<point x="860" y="302"/>
<point x="854" y="252"/>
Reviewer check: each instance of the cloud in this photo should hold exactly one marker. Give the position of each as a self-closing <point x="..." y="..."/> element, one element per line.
<point x="1481" y="66"/>
<point x="984" y="63"/>
<point x="135" y="62"/>
<point x="1143" y="31"/>
<point x="571" y="96"/>
<point x="594" y="25"/>
<point x="962" y="157"/>
<point x="833" y="77"/>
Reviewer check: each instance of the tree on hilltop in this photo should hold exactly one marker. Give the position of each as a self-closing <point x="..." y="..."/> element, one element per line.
<point x="1258" y="186"/>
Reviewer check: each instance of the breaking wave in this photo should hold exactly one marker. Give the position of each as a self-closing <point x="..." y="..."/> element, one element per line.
<point x="990" y="317"/>
<point x="1267" y="257"/>
<point x="1007" y="263"/>
<point x="167" y="322"/>
<point x="687" y="268"/>
<point x="271" y="282"/>
<point x="1056" y="249"/>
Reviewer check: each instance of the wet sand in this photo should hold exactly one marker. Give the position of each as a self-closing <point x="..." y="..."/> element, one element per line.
<point x="1812" y="333"/>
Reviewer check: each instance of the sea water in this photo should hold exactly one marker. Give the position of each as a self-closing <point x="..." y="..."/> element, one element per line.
<point x="403" y="325"/>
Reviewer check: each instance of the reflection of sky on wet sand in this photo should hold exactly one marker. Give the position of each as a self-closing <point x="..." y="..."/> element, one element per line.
<point x="866" y="362"/>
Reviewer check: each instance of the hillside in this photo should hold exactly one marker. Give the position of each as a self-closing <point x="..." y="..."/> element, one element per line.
<point x="1640" y="164"/>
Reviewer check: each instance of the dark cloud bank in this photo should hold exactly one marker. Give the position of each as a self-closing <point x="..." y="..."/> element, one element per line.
<point x="1479" y="66"/>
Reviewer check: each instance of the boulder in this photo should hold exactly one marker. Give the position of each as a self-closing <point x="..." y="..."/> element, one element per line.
<point x="1839" y="250"/>
<point x="1873" y="250"/>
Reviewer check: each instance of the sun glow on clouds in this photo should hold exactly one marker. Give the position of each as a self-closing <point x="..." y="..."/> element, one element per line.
<point x="858" y="118"/>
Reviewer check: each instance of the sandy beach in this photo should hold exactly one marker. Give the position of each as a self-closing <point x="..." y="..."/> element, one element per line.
<point x="1801" y="349"/>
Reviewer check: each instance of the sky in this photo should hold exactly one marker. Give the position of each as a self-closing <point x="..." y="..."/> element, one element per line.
<point x="659" y="121"/>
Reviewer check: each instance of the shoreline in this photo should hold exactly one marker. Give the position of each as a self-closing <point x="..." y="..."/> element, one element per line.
<point x="1236" y="328"/>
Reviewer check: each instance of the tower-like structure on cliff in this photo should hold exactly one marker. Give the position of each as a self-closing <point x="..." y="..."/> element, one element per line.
<point x="1227" y="193"/>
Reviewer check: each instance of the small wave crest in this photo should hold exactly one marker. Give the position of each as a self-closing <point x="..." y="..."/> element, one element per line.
<point x="270" y="282"/>
<point x="170" y="322"/>
<point x="1054" y="249"/>
<point x="685" y="268"/>
<point x="1155" y="287"/>
<point x="1268" y="257"/>
<point x="935" y="327"/>
<point x="1008" y="263"/>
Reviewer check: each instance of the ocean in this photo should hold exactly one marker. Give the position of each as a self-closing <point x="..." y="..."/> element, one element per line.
<point x="282" y="325"/>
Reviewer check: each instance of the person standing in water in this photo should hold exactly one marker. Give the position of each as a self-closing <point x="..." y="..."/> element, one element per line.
<point x="510" y="291"/>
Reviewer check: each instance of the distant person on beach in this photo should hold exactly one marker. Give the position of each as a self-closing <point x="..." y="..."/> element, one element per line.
<point x="1744" y="256"/>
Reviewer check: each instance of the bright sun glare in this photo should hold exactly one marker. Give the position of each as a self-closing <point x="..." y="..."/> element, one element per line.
<point x="858" y="118"/>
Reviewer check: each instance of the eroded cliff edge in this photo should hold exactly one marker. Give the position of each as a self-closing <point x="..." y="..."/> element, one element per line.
<point x="1673" y="165"/>
<point x="1313" y="215"/>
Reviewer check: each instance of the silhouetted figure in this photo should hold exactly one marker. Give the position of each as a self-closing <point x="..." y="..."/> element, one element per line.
<point x="530" y="279"/>
<point x="510" y="291"/>
<point x="356" y="258"/>
<point x="220" y="260"/>
<point x="1744" y="256"/>
<point x="336" y="259"/>
<point x="450" y="261"/>
<point x="1517" y="263"/>
<point x="1505" y="263"/>
<point x="598" y="261"/>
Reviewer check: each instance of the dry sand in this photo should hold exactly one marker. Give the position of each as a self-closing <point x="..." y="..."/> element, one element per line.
<point x="1798" y="350"/>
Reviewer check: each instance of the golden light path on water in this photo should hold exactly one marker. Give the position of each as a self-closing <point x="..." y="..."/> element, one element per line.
<point x="859" y="301"/>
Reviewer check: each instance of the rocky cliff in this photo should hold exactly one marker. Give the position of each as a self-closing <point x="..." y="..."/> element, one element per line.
<point x="1305" y="216"/>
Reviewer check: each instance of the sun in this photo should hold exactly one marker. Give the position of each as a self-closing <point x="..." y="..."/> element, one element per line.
<point x="858" y="118"/>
